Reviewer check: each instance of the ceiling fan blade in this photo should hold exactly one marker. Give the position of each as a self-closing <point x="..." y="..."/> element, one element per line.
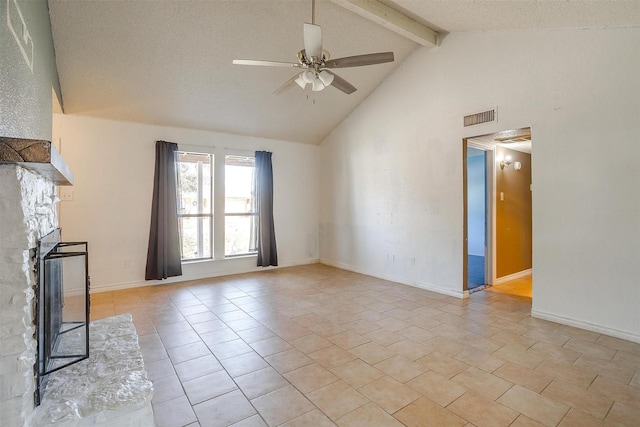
<point x="286" y="85"/>
<point x="313" y="41"/>
<point x="341" y="84"/>
<point x="265" y="63"/>
<point x="360" y="60"/>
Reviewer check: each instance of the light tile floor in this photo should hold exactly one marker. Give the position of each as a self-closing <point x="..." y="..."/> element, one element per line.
<point x="319" y="346"/>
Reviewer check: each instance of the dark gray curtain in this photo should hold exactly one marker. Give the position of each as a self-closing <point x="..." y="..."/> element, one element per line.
<point x="267" y="253"/>
<point x="163" y="256"/>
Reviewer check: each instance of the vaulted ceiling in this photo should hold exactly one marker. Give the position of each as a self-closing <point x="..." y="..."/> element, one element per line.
<point x="170" y="62"/>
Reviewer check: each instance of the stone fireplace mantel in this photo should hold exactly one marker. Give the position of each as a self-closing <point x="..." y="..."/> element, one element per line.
<point x="39" y="156"/>
<point x="29" y="172"/>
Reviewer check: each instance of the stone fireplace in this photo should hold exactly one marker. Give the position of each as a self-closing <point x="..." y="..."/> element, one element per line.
<point x="108" y="388"/>
<point x="27" y="212"/>
<point x="29" y="173"/>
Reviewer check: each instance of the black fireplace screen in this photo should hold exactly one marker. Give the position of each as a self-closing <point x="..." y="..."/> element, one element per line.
<point x="62" y="305"/>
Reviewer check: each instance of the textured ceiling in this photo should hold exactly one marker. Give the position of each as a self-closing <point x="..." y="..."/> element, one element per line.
<point x="169" y="62"/>
<point x="487" y="15"/>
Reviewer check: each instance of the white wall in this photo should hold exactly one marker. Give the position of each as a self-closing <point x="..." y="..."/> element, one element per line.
<point x="113" y="165"/>
<point x="392" y="172"/>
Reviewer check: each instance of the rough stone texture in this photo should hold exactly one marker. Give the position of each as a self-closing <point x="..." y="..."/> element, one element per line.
<point x="110" y="388"/>
<point x="27" y="212"/>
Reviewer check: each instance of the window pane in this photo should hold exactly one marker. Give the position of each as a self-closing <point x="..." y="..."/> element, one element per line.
<point x="194" y="181"/>
<point x="240" y="234"/>
<point x="239" y="184"/>
<point x="195" y="237"/>
<point x="195" y="198"/>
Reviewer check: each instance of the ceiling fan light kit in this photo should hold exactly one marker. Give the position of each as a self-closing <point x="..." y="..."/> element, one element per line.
<point x="315" y="63"/>
<point x="308" y="76"/>
<point x="326" y="77"/>
<point x="317" y="85"/>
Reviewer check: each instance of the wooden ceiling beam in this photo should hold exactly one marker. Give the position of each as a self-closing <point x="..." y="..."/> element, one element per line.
<point x="392" y="19"/>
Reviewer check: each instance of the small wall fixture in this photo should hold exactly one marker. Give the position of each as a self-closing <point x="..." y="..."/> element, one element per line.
<point x="508" y="162"/>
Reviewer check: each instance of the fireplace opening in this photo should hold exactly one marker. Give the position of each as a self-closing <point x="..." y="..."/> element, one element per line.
<point x="62" y="306"/>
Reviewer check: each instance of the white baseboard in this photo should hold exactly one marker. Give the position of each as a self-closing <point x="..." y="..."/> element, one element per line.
<point x="74" y="293"/>
<point x="187" y="278"/>
<point x="379" y="275"/>
<point x="585" y="325"/>
<point x="514" y="276"/>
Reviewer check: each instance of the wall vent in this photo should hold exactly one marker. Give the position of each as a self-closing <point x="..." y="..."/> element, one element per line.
<point x="478" y="118"/>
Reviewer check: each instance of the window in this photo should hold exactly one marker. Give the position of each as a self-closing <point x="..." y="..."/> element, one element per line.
<point x="211" y="183"/>
<point x="195" y="207"/>
<point x="240" y="217"/>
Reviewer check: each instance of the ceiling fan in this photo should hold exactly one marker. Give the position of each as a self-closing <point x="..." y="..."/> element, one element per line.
<point x="314" y="62"/>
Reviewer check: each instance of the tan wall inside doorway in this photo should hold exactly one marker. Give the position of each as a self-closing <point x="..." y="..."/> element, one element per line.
<point x="513" y="214"/>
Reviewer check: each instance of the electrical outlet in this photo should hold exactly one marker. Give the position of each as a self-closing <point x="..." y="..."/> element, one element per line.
<point x="126" y="263"/>
<point x="66" y="194"/>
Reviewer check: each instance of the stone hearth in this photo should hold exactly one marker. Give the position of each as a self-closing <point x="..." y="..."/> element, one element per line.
<point x="110" y="388"/>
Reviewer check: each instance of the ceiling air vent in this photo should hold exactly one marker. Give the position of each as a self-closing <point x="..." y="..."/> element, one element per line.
<point x="478" y="118"/>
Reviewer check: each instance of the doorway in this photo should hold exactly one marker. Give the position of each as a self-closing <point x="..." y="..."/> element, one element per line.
<point x="476" y="217"/>
<point x="497" y="209"/>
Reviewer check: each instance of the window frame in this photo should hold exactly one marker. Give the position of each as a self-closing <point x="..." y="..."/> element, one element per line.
<point x="211" y="215"/>
<point x="218" y="199"/>
<point x="252" y="214"/>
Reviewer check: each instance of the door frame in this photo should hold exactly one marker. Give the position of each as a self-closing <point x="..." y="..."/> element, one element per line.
<point x="490" y="213"/>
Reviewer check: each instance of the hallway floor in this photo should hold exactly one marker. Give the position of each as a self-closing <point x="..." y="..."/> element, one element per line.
<point x="319" y="346"/>
<point x="518" y="287"/>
